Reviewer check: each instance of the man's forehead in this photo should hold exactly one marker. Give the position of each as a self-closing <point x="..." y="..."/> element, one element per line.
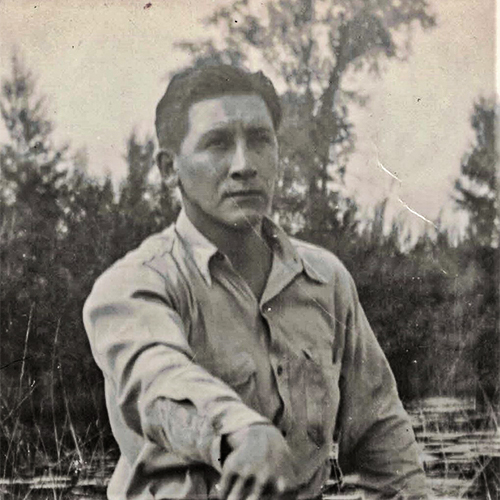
<point x="218" y="111"/>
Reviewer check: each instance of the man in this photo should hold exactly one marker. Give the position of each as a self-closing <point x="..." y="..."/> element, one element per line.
<point x="232" y="354"/>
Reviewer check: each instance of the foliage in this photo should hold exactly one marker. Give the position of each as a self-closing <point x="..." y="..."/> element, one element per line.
<point x="32" y="208"/>
<point x="142" y="206"/>
<point x="60" y="230"/>
<point x="477" y="191"/>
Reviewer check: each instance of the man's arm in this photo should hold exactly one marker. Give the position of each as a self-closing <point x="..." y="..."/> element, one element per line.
<point x="377" y="442"/>
<point x="138" y="341"/>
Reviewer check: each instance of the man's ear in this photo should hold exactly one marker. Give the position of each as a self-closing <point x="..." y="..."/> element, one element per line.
<point x="165" y="161"/>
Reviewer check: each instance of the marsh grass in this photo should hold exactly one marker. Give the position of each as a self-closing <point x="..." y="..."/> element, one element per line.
<point x="461" y="448"/>
<point x="48" y="457"/>
<point x="58" y="459"/>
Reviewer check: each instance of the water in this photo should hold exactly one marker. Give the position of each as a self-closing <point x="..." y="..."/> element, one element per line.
<point x="460" y="449"/>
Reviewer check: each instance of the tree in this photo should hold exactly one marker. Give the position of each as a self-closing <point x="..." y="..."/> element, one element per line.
<point x="477" y="191"/>
<point x="477" y="194"/>
<point x="60" y="229"/>
<point x="310" y="46"/>
<point x="32" y="193"/>
<point x="144" y="206"/>
<point x="34" y="283"/>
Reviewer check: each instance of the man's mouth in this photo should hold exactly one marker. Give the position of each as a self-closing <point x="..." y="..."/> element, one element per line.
<point x="246" y="193"/>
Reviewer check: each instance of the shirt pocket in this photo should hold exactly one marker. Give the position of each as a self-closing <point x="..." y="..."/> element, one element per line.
<point x="321" y="396"/>
<point x="240" y="373"/>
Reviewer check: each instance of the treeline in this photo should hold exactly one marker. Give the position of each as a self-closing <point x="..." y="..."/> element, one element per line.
<point x="433" y="305"/>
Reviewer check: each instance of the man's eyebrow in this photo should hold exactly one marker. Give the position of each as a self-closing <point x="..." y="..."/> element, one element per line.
<point x="215" y="132"/>
<point x="228" y="128"/>
<point x="259" y="129"/>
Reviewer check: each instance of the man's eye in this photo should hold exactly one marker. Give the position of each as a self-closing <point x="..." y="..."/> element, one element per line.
<point x="218" y="142"/>
<point x="260" y="138"/>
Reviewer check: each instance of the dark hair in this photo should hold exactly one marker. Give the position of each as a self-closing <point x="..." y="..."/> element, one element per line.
<point x="199" y="83"/>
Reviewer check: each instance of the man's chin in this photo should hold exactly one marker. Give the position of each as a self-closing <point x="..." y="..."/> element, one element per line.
<point x="245" y="221"/>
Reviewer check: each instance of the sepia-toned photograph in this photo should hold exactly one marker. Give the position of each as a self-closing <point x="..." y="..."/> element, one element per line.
<point x="249" y="250"/>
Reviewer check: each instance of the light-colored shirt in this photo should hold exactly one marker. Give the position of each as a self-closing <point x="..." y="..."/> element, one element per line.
<point x="189" y="355"/>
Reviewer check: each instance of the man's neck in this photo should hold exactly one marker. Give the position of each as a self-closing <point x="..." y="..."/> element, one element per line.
<point x="251" y="257"/>
<point x="245" y="246"/>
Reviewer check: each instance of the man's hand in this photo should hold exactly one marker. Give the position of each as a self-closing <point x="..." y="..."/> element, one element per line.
<point x="260" y="465"/>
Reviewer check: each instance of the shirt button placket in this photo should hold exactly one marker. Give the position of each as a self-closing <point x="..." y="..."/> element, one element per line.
<point x="278" y="367"/>
<point x="274" y="354"/>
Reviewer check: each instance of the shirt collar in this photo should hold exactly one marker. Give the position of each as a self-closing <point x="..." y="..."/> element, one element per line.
<point x="314" y="273"/>
<point x="201" y="249"/>
<point x="288" y="252"/>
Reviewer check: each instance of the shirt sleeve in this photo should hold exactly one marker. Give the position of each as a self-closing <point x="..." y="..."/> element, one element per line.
<point x="377" y="444"/>
<point x="139" y="342"/>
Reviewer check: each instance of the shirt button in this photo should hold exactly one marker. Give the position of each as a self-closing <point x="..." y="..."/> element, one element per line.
<point x="279" y="371"/>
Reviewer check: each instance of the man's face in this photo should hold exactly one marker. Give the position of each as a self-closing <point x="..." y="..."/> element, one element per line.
<point x="227" y="162"/>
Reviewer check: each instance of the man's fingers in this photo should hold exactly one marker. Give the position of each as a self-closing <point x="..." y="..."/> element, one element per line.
<point x="281" y="485"/>
<point x="247" y="487"/>
<point x="267" y="488"/>
<point x="226" y="483"/>
<point x="236" y="487"/>
<point x="239" y="489"/>
<point x="289" y="494"/>
<point x="257" y="491"/>
<point x="260" y="467"/>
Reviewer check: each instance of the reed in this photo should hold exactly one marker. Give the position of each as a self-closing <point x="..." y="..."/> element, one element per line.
<point x="60" y="459"/>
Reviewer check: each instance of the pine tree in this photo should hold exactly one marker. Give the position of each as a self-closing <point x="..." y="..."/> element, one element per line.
<point x="33" y="187"/>
<point x="477" y="194"/>
<point x="33" y="284"/>
<point x="477" y="190"/>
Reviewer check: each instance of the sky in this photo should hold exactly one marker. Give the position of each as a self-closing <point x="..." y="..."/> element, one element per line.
<point x="105" y="64"/>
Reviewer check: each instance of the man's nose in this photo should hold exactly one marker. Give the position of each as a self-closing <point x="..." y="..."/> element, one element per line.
<point x="242" y="167"/>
